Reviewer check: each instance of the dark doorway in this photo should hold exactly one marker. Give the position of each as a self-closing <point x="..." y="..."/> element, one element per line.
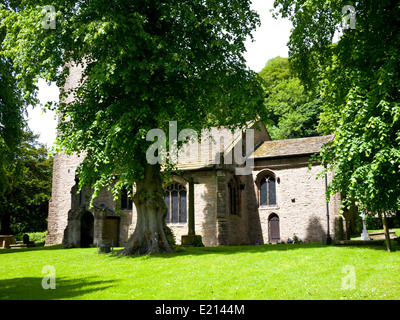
<point x="87" y="226"/>
<point x="273" y="227"/>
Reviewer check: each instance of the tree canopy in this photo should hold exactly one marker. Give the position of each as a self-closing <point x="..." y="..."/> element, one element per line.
<point x="144" y="63"/>
<point x="359" y="81"/>
<point x="24" y="205"/>
<point x="12" y="108"/>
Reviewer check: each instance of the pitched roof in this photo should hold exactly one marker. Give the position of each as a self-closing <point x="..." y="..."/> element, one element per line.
<point x="196" y="155"/>
<point x="290" y="147"/>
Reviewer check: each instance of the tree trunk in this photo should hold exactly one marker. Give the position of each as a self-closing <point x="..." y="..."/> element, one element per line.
<point x="5" y="223"/>
<point x="341" y="230"/>
<point x="386" y="230"/>
<point x="150" y="234"/>
<point x="350" y="215"/>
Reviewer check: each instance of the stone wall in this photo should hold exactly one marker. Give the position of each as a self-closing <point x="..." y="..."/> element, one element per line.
<point x="204" y="206"/>
<point x="301" y="205"/>
<point x="103" y="208"/>
<point x="232" y="228"/>
<point x="60" y="203"/>
<point x="301" y="200"/>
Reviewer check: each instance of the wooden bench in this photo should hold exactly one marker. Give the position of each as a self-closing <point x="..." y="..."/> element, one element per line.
<point x="6" y="241"/>
<point x="23" y="244"/>
<point x="381" y="235"/>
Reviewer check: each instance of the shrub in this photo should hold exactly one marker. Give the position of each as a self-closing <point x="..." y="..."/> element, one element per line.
<point x="37" y="237"/>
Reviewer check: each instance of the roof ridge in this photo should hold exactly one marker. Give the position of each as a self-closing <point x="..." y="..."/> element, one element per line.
<point x="302" y="138"/>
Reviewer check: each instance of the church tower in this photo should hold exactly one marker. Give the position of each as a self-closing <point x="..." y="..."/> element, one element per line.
<point x="60" y="203"/>
<point x="64" y="168"/>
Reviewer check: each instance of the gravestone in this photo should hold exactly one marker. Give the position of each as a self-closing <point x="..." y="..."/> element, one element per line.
<point x="25" y="239"/>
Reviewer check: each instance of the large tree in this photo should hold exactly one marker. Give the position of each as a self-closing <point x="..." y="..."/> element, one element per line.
<point x="11" y="120"/>
<point x="144" y="63"/>
<point x="12" y="108"/>
<point x="359" y="79"/>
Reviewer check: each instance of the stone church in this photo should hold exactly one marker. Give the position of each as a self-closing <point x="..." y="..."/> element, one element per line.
<point x="281" y="197"/>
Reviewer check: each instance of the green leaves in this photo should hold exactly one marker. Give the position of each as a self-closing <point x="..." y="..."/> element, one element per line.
<point x="290" y="111"/>
<point x="358" y="78"/>
<point x="143" y="64"/>
<point x="24" y="203"/>
<point x="12" y="109"/>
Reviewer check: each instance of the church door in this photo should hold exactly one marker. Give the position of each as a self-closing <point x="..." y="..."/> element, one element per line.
<point x="273" y="226"/>
<point x="87" y="226"/>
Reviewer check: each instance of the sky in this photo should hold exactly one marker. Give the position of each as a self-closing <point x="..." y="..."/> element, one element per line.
<point x="270" y="41"/>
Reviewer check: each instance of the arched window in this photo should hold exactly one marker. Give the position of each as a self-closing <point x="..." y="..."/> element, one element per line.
<point x="175" y="200"/>
<point x="126" y="201"/>
<point x="267" y="191"/>
<point x="233" y="197"/>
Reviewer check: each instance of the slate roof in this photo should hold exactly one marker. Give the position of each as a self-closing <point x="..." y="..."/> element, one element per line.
<point x="291" y="147"/>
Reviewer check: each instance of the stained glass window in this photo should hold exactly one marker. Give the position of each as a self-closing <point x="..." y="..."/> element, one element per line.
<point x="175" y="200"/>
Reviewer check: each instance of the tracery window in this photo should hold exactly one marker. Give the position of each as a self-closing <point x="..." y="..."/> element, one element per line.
<point x="175" y="200"/>
<point x="267" y="191"/>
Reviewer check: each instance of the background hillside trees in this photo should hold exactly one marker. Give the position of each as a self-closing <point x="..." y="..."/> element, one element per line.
<point x="24" y="204"/>
<point x="359" y="80"/>
<point x="292" y="112"/>
<point x="12" y="108"/>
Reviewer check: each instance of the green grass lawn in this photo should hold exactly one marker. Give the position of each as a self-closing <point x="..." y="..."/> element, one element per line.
<point x="286" y="271"/>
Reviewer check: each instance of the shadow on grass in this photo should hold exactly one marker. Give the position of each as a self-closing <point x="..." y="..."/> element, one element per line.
<point x="30" y="288"/>
<point x="230" y="250"/>
<point x="38" y="248"/>
<point x="382" y="247"/>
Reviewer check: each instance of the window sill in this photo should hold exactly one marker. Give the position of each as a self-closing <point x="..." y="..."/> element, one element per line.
<point x="264" y="207"/>
<point x="177" y="223"/>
